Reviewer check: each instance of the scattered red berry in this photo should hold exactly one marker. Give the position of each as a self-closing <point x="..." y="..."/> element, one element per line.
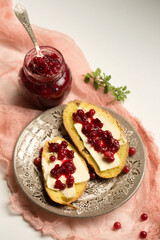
<point x="92" y="175"/>
<point x="132" y="151"/>
<point x="144" y="217"/>
<point x="117" y="225"/>
<point x="37" y="161"/>
<point x="143" y="234"/>
<point x="126" y="169"/>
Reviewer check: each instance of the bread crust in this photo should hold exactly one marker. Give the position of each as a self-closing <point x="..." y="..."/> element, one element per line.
<point x="57" y="196"/>
<point x="69" y="125"/>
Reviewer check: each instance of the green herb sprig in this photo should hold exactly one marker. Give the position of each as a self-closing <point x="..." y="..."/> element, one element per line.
<point x="101" y="80"/>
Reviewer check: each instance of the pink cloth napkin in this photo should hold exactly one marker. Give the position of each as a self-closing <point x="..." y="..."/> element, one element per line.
<point x="15" y="113"/>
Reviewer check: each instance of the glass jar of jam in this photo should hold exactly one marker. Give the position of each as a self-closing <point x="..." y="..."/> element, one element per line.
<point x="45" y="81"/>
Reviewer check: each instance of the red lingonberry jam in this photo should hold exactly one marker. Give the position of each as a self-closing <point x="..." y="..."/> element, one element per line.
<point x="70" y="181"/>
<point x="70" y="154"/>
<point x="117" y="225"/>
<point x="101" y="141"/>
<point x="132" y="151"/>
<point x="59" y="185"/>
<point x="144" y="217"/>
<point x="54" y="147"/>
<point x="143" y="234"/>
<point x="56" y="172"/>
<point x="47" y="66"/>
<point x="66" y="168"/>
<point x="45" y="81"/>
<point x="126" y="169"/>
<point x="62" y="152"/>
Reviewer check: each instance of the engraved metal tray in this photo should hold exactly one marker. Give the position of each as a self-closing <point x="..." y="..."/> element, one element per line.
<point x="101" y="195"/>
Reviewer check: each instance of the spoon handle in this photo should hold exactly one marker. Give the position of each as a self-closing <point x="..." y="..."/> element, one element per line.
<point x="22" y="15"/>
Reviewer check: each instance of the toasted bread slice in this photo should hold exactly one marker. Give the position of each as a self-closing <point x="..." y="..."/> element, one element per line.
<point x="58" y="196"/>
<point x="68" y="121"/>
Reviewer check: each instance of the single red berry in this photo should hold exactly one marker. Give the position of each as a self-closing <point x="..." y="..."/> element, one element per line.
<point x="52" y="158"/>
<point x="144" y="217"/>
<point x="143" y="234"/>
<point x="62" y="186"/>
<point x="126" y="169"/>
<point x="117" y="225"/>
<point x="90" y="113"/>
<point x="92" y="175"/>
<point x="64" y="144"/>
<point x="109" y="156"/>
<point x="132" y="151"/>
<point x="80" y="112"/>
<point x="37" y="161"/>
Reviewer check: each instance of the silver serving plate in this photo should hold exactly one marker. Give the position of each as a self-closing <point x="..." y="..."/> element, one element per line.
<point x="102" y="195"/>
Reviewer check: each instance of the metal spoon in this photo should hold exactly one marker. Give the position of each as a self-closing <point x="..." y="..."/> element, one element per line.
<point x="22" y="15"/>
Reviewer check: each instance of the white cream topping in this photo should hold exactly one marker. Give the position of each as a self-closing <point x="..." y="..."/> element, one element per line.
<point x="81" y="174"/>
<point x="99" y="157"/>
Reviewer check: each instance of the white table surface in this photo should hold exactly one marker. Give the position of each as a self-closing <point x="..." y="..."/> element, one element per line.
<point x="122" y="37"/>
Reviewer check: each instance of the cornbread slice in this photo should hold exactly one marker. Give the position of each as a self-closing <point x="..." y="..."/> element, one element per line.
<point x="57" y="196"/>
<point x="68" y="121"/>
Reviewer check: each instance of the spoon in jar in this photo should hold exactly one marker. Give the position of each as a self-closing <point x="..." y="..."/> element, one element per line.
<point x="22" y="16"/>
